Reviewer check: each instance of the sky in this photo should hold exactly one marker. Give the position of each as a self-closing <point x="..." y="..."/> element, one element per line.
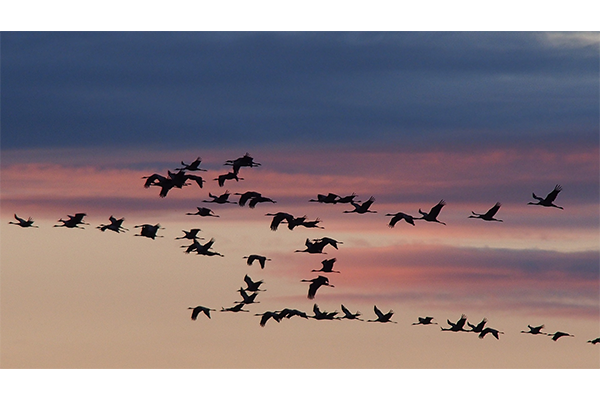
<point x="409" y="118"/>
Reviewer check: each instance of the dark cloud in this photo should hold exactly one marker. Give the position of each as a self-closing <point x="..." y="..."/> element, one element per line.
<point x="214" y="89"/>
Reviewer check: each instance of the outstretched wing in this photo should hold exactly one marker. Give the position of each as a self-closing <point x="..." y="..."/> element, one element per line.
<point x="492" y="211"/>
<point x="552" y="195"/>
<point x="435" y="210"/>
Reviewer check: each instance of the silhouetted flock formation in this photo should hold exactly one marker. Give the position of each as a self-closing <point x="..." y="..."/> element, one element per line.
<point x="181" y="178"/>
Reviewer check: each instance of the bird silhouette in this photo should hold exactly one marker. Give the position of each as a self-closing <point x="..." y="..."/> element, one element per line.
<point x="259" y="199"/>
<point x="381" y="317"/>
<point x="192" y="234"/>
<point x="362" y="208"/>
<point x="236" y="308"/>
<point x="198" y="309"/>
<point x="323" y="315"/>
<point x="222" y="199"/>
<point x="228" y="176"/>
<point x="316" y="283"/>
<point x="558" y="335"/>
<point x="312" y="224"/>
<point x="247" y="298"/>
<point x="349" y="315"/>
<point x="149" y="231"/>
<point x="327" y="266"/>
<point x="203" y="212"/>
<point x="252" y="286"/>
<point x="164" y="182"/>
<point x="549" y="200"/>
<point x="479" y="327"/>
<point x="459" y="326"/>
<point x="244" y="197"/>
<point x="535" y="330"/>
<point x="268" y="315"/>
<point x="330" y="198"/>
<point x="244" y="161"/>
<point x="316" y="246"/>
<point x="73" y="222"/>
<point x="202" y="249"/>
<point x="346" y="199"/>
<point x="425" y="321"/>
<point x="594" y="341"/>
<point x="23" y="223"/>
<point x="291" y="312"/>
<point x="255" y="257"/>
<point x="278" y="218"/>
<point x="399" y="217"/>
<point x="432" y="215"/>
<point x="115" y="225"/>
<point x="193" y="166"/>
<point x="493" y="331"/>
<point x="489" y="215"/>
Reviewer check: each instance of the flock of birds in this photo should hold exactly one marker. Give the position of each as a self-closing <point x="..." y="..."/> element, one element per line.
<point x="183" y="177"/>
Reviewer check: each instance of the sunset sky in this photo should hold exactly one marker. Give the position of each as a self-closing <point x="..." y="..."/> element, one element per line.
<point x="409" y="118"/>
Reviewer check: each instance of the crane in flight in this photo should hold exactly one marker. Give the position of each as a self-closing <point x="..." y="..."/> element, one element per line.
<point x="193" y="166"/>
<point x="256" y="257"/>
<point x="74" y="221"/>
<point x="330" y="198"/>
<point x="192" y="234"/>
<point x="292" y="312"/>
<point x="594" y="341"/>
<point x="459" y="326"/>
<point x="399" y="217"/>
<point x="203" y="212"/>
<point x="315" y="284"/>
<point x="323" y="315"/>
<point x="362" y="208"/>
<point x="222" y="199"/>
<point x="558" y="335"/>
<point x="489" y="215"/>
<point x="381" y="317"/>
<point x="202" y="249"/>
<point x="425" y="321"/>
<point x="268" y="315"/>
<point x="23" y="223"/>
<point x="115" y="225"/>
<point x="479" y="327"/>
<point x="244" y="161"/>
<point x="349" y="315"/>
<point x="200" y="309"/>
<point x="247" y="298"/>
<point x="548" y="201"/>
<point x="244" y="197"/>
<point x="149" y="231"/>
<point x="493" y="331"/>
<point x="278" y="218"/>
<point x="535" y="330"/>
<point x="327" y="266"/>
<point x="252" y="286"/>
<point x="236" y="308"/>
<point x="432" y="215"/>
<point x="228" y="176"/>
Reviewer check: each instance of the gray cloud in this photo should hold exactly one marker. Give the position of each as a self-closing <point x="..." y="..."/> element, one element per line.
<point x="216" y="89"/>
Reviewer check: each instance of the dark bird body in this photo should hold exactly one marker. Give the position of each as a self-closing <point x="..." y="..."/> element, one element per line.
<point x="594" y="341"/>
<point x="327" y="266"/>
<point x="244" y="161"/>
<point x="459" y="326"/>
<point x="493" y="331"/>
<point x="198" y="309"/>
<point x="203" y="212"/>
<point x="252" y="286"/>
<point x="202" y="249"/>
<point x="247" y="298"/>
<point x="278" y="218"/>
<point x="73" y="221"/>
<point x="23" y="223"/>
<point x="558" y="335"/>
<point x="381" y="317"/>
<point x="399" y="217"/>
<point x="489" y="215"/>
<point x="330" y="198"/>
<point x="268" y="315"/>
<point x="432" y="215"/>
<point x="222" y="199"/>
<point x="424" y="321"/>
<point x="115" y="225"/>
<point x="236" y="308"/>
<point x="149" y="231"/>
<point x="548" y="201"/>
<point x="192" y="234"/>
<point x="316" y="283"/>
<point x="255" y="257"/>
<point x="479" y="327"/>
<point x="349" y="315"/>
<point x="193" y="166"/>
<point x="535" y="330"/>
<point x="228" y="176"/>
<point x="291" y="312"/>
<point x="323" y="315"/>
<point x="362" y="208"/>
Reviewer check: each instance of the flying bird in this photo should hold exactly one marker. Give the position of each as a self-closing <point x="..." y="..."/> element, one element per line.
<point x="278" y="218"/>
<point x="291" y="312"/>
<point x="244" y="161"/>
<point x="479" y="327"/>
<point x="558" y="335"/>
<point x="255" y="257"/>
<point x="198" y="309"/>
<point x="311" y="224"/>
<point x="244" y="197"/>
<point x="236" y="308"/>
<point x="259" y="199"/>
<point x="330" y="198"/>
<point x="228" y="176"/>
<point x="247" y="298"/>
<point x="203" y="212"/>
<point x="493" y="331"/>
<point x="349" y="315"/>
<point x="432" y="215"/>
<point x="346" y="199"/>
<point x="73" y="221"/>
<point x="268" y="315"/>
<point x="316" y="283"/>
<point x="252" y="286"/>
<point x="323" y="315"/>
<point x="203" y="249"/>
<point x="115" y="225"/>
<point x="549" y="200"/>
<point x="594" y="341"/>
<point x="327" y="266"/>
<point x="459" y="326"/>
<point x="362" y="208"/>
<point x="535" y="330"/>
<point x="193" y="166"/>
<point x="424" y="321"/>
<point x="222" y="199"/>
<point x="381" y="317"/>
<point x="148" y="231"/>
<point x="489" y="215"/>
<point x="399" y="217"/>
<point x="192" y="234"/>
<point x="23" y="223"/>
